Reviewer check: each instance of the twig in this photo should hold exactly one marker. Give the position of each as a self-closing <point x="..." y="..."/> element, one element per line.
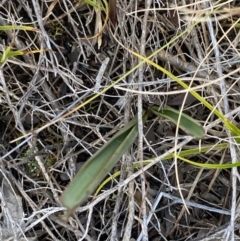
<point x="140" y="123"/>
<point x="126" y="162"/>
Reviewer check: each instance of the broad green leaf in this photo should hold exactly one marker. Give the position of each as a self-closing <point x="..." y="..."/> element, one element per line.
<point x="187" y="123"/>
<point x="99" y="165"/>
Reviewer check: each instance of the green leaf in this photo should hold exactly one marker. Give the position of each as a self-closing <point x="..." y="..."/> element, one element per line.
<point x="235" y="131"/>
<point x="18" y="27"/>
<point x="5" y="54"/>
<point x="99" y="165"/>
<point x="210" y="166"/>
<point x="94" y="4"/>
<point x="187" y="123"/>
<point x="8" y="53"/>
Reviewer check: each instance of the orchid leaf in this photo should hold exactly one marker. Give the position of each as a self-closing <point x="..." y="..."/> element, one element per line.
<point x="187" y="123"/>
<point x="99" y="165"/>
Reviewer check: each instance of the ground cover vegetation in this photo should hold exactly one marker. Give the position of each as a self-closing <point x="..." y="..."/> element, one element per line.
<point x="138" y="100"/>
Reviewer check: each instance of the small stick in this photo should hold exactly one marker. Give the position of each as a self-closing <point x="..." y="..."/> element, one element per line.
<point x="112" y="12"/>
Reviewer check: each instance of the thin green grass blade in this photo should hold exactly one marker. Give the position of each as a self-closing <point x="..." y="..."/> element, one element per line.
<point x="210" y="166"/>
<point x="94" y="4"/>
<point x="4" y="56"/>
<point x="233" y="129"/>
<point x="16" y="27"/>
<point x="187" y="123"/>
<point x="195" y="151"/>
<point x="99" y="165"/>
<point x="8" y="53"/>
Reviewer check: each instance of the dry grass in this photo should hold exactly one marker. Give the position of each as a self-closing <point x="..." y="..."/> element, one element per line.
<point x="35" y="90"/>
